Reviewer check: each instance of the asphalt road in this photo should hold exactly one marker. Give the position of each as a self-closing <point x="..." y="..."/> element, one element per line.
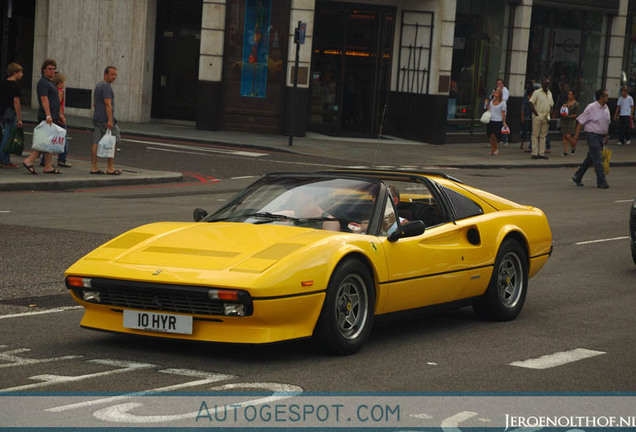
<point x="581" y="304"/>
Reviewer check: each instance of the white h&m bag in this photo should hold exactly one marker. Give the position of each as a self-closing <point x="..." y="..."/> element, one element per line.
<point x="49" y="138"/>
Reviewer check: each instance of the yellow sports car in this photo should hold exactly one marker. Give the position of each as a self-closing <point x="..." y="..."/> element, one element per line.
<point x="297" y="255"/>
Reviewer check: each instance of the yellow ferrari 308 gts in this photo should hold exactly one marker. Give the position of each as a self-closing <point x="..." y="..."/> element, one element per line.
<point x="297" y="255"/>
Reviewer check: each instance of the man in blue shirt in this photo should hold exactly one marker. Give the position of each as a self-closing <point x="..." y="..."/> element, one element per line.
<point x="49" y="111"/>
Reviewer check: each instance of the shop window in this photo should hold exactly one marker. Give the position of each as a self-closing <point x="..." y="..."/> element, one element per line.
<point x="479" y="59"/>
<point x="569" y="48"/>
<point x="629" y="59"/>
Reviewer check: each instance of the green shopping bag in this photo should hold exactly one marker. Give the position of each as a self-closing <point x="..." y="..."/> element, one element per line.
<point x="15" y="145"/>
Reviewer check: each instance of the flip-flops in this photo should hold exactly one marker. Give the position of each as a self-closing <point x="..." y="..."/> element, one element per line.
<point x="97" y="172"/>
<point x="116" y="172"/>
<point x="53" y="171"/>
<point x="29" y="168"/>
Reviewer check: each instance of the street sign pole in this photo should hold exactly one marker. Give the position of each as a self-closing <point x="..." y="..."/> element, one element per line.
<point x="299" y="39"/>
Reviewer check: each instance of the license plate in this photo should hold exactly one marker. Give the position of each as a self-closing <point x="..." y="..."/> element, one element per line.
<point x="165" y="323"/>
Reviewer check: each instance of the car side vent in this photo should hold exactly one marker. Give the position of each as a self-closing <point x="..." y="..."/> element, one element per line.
<point x="463" y="207"/>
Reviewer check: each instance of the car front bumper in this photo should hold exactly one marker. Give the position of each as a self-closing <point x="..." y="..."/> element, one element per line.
<point x="273" y="320"/>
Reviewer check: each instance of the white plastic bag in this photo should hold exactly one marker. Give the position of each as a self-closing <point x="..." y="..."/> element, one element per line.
<point x="106" y="145"/>
<point x="49" y="138"/>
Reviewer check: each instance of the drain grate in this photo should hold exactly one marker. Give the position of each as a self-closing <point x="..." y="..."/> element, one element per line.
<point x="47" y="301"/>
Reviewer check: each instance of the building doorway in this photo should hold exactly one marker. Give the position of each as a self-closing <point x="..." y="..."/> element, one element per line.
<point x="176" y="61"/>
<point x="350" y="68"/>
<point x="16" y="31"/>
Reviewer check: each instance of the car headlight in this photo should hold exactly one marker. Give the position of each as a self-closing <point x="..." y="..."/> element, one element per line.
<point x="233" y="309"/>
<point x="91" y="296"/>
<point x="83" y="288"/>
<point x="238" y="303"/>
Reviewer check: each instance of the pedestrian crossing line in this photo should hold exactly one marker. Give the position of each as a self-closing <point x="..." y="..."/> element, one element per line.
<point x="557" y="359"/>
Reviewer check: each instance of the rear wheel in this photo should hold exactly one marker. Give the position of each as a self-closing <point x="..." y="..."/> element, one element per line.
<point x="348" y="311"/>
<point x="508" y="286"/>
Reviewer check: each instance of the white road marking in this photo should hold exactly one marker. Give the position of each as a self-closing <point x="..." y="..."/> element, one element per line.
<point x="207" y="378"/>
<point x="60" y="309"/>
<point x="5" y="211"/>
<point x="14" y="360"/>
<point x="557" y="359"/>
<point x="602" y="240"/>
<point x="242" y="177"/>
<point x="202" y="149"/>
<point x="48" y="379"/>
<point x="450" y="424"/>
<point x="624" y="201"/>
<point x="197" y="151"/>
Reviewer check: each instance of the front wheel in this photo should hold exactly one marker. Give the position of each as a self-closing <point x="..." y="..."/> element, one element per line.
<point x="508" y="286"/>
<point x="348" y="311"/>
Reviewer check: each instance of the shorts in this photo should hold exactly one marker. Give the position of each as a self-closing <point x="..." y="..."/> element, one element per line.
<point x="100" y="131"/>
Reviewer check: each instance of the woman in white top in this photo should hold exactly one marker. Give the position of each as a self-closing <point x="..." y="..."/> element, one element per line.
<point x="623" y="114"/>
<point x="497" y="110"/>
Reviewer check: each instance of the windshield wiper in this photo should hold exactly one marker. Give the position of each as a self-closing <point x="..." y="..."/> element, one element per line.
<point x="270" y="216"/>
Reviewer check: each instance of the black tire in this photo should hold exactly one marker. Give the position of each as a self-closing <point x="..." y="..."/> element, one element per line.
<point x="508" y="285"/>
<point x="634" y="251"/>
<point x="348" y="311"/>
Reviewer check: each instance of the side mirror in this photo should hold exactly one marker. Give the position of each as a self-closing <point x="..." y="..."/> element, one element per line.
<point x="409" y="229"/>
<point x="198" y="214"/>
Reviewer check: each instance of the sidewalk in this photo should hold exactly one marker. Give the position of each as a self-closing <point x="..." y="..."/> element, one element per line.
<point x="387" y="152"/>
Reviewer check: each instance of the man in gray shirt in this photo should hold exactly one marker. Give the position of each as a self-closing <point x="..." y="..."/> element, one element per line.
<point x="104" y="119"/>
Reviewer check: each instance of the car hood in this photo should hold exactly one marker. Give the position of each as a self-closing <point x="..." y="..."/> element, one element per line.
<point x="236" y="247"/>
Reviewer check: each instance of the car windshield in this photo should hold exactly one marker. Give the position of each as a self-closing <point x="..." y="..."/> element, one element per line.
<point x="336" y="204"/>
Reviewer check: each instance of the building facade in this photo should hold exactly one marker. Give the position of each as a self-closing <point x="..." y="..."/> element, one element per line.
<point x="418" y="69"/>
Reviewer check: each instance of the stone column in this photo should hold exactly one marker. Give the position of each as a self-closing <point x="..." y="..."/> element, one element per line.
<point x="616" y="48"/>
<point x="520" y="33"/>
<point x="211" y="64"/>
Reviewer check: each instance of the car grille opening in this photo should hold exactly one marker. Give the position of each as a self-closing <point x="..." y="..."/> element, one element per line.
<point x="160" y="297"/>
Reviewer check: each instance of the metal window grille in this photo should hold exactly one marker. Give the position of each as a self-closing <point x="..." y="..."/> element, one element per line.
<point x="414" y="57"/>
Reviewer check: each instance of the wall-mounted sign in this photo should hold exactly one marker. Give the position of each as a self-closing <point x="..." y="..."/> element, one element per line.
<point x="255" y="48"/>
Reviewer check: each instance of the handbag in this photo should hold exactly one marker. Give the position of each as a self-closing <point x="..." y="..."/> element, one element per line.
<point x="606" y="154"/>
<point x="485" y="117"/>
<point x="106" y="145"/>
<point x="49" y="138"/>
<point x="15" y="144"/>
<point x="505" y="130"/>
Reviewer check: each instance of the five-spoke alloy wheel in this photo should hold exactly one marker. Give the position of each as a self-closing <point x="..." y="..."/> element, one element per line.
<point x="347" y="314"/>
<point x="508" y="286"/>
